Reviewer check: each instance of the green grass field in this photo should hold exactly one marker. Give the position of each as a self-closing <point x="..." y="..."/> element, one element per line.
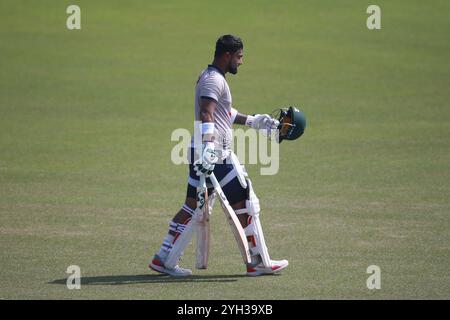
<point x="86" y="118"/>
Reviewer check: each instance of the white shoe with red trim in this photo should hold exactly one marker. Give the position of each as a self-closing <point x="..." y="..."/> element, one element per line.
<point x="260" y="270"/>
<point x="158" y="265"/>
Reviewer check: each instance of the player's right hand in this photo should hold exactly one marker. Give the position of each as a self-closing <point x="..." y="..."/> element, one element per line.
<point x="205" y="165"/>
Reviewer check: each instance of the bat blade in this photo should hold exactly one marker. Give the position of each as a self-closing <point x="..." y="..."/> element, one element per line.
<point x="202" y="224"/>
<point x="233" y="220"/>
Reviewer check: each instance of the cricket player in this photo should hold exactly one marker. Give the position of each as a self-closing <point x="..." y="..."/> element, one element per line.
<point x="213" y="108"/>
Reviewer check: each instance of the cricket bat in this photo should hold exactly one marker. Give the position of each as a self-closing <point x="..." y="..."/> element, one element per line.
<point x="202" y="224"/>
<point x="233" y="220"/>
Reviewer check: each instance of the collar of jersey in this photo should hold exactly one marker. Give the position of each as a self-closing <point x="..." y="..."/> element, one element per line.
<point x="218" y="70"/>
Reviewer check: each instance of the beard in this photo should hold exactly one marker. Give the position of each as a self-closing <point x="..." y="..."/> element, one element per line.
<point x="232" y="69"/>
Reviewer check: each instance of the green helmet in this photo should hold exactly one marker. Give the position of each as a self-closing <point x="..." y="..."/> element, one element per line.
<point x="292" y="123"/>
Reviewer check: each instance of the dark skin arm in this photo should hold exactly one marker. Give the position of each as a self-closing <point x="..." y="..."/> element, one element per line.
<point x="207" y="108"/>
<point x="240" y="119"/>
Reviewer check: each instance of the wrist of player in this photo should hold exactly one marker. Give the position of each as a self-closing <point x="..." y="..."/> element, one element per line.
<point x="250" y="121"/>
<point x="207" y="130"/>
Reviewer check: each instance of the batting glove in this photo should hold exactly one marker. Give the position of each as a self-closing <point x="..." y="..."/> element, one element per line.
<point x="205" y="165"/>
<point x="262" y="122"/>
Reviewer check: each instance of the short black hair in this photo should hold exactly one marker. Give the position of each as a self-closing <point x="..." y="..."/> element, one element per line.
<point x="228" y="43"/>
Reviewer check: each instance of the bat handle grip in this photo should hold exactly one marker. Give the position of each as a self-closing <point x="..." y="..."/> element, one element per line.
<point x="202" y="181"/>
<point x="214" y="181"/>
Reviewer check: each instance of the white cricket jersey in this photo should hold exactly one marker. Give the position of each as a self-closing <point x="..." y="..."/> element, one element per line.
<point x="212" y="84"/>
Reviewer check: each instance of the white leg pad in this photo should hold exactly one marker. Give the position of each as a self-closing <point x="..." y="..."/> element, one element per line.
<point x="258" y="245"/>
<point x="254" y="231"/>
<point x="240" y="170"/>
<point x="185" y="237"/>
<point x="181" y="242"/>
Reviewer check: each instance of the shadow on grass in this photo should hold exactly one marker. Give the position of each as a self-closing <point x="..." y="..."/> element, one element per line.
<point x="149" y="278"/>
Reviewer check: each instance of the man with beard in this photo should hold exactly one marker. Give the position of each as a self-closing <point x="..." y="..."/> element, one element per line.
<point x="215" y="115"/>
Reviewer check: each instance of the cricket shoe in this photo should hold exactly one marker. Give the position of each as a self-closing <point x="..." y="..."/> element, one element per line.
<point x="157" y="264"/>
<point x="260" y="269"/>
